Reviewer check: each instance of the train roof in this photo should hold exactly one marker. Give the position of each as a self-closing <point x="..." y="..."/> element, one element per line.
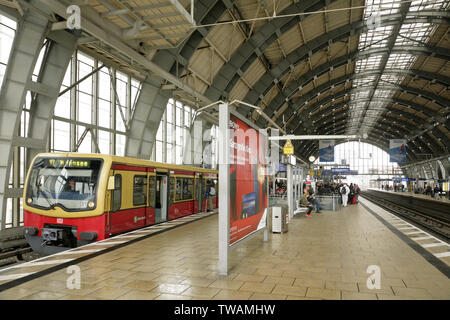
<point x="126" y="160"/>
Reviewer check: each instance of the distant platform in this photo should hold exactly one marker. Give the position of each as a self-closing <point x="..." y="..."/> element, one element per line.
<point x="412" y="194"/>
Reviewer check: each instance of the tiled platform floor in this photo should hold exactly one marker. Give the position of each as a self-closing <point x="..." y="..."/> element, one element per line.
<point x="322" y="257"/>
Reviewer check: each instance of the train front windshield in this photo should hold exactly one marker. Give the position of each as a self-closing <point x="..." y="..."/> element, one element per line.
<point x="65" y="182"/>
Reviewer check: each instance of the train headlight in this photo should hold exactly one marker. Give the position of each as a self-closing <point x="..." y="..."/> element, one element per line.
<point x="91" y="204"/>
<point x="29" y="200"/>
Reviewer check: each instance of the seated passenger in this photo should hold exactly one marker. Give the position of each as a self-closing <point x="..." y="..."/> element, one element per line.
<point x="304" y="202"/>
<point x="312" y="199"/>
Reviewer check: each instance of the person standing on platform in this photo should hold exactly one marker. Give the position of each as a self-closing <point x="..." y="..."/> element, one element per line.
<point x="345" y="190"/>
<point x="437" y="191"/>
<point x="429" y="191"/>
<point x="210" y="192"/>
<point x="351" y="194"/>
<point x="357" y="191"/>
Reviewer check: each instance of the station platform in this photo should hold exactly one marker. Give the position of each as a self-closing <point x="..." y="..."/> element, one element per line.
<point x="416" y="195"/>
<point x="325" y="256"/>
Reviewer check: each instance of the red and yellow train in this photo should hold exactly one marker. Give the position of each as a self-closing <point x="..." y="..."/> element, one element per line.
<point x="73" y="199"/>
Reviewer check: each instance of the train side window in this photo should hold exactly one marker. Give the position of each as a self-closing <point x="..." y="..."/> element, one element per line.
<point x="216" y="186"/>
<point x="179" y="189"/>
<point x="140" y="190"/>
<point x="117" y="193"/>
<point x="195" y="195"/>
<point x="152" y="191"/>
<point x="188" y="188"/>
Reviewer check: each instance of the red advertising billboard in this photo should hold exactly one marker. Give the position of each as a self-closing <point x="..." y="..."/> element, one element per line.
<point x="248" y="181"/>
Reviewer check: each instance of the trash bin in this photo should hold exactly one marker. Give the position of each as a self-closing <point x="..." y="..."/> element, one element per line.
<point x="279" y="219"/>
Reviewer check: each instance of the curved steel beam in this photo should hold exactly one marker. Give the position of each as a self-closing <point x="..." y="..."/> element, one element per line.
<point x="17" y="82"/>
<point x="392" y="122"/>
<point x="372" y="139"/>
<point x="323" y="115"/>
<point x="230" y="73"/>
<point x="266" y="82"/>
<point x="206" y="12"/>
<point x="290" y="111"/>
<point x="152" y="101"/>
<point x="344" y="93"/>
<point x="382" y="131"/>
<point x="341" y="105"/>
<point x="389" y="121"/>
<point x="250" y="50"/>
<point x="442" y="137"/>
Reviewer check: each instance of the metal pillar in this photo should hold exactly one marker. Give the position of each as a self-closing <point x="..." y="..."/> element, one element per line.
<point x="224" y="186"/>
<point x="290" y="192"/>
<point x="149" y="109"/>
<point x="194" y="143"/>
<point x="60" y="52"/>
<point x="16" y="83"/>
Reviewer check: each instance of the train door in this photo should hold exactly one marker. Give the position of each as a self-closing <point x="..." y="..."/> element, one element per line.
<point x="116" y="204"/>
<point x="199" y="194"/>
<point x="161" y="198"/>
<point x="151" y="199"/>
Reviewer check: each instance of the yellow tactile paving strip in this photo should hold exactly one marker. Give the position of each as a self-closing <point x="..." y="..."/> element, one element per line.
<point x="322" y="257"/>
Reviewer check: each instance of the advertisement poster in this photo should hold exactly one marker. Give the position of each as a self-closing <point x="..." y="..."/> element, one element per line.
<point x="397" y="150"/>
<point x="326" y="150"/>
<point x="248" y="180"/>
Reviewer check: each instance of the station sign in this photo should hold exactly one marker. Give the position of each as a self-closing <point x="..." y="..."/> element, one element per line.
<point x="288" y="147"/>
<point x="340" y="170"/>
<point x="326" y="150"/>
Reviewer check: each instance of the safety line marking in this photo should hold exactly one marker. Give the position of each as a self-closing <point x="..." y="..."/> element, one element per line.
<point x="14" y="276"/>
<point x="443" y="254"/>
<point x="422" y="238"/>
<point x="414" y="232"/>
<point x="431" y="245"/>
<point x="103" y="243"/>
<point x="77" y="251"/>
<point x="128" y="236"/>
<point x="40" y="263"/>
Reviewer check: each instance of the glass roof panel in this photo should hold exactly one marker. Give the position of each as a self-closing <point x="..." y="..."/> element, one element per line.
<point x="420" y="5"/>
<point x="378" y="36"/>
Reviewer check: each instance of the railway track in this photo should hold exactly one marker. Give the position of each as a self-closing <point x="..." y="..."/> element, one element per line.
<point x="16" y="256"/>
<point x="435" y="221"/>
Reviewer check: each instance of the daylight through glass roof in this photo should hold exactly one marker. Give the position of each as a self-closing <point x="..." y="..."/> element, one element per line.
<point x="385" y="65"/>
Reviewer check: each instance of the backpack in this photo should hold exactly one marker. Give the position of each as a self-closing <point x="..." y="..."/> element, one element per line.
<point x="344" y="190"/>
<point x="212" y="191"/>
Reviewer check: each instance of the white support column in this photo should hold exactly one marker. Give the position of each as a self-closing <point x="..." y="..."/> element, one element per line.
<point x="224" y="187"/>
<point x="294" y="186"/>
<point x="290" y="191"/>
